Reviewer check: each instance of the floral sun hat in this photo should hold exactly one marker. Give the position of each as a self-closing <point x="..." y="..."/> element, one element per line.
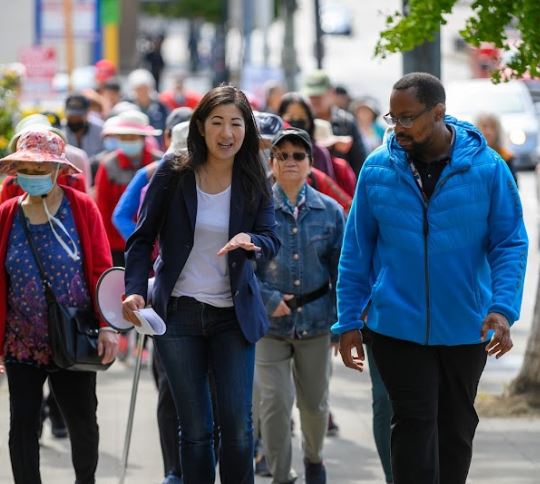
<point x="30" y="123"/>
<point x="39" y="145"/>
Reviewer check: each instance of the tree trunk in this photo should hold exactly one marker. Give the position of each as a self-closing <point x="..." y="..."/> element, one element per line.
<point x="527" y="383"/>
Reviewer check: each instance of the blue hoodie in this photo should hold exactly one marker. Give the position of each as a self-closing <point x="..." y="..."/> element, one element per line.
<point x="432" y="271"/>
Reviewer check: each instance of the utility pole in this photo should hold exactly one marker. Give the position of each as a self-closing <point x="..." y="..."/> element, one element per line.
<point x="288" y="54"/>
<point x="129" y="57"/>
<point x="219" y="58"/>
<point x="319" y="46"/>
<point x="249" y="14"/>
<point x="68" y="36"/>
<point x="425" y="57"/>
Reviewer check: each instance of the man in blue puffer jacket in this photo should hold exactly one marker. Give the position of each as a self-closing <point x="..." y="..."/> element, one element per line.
<point x="435" y="247"/>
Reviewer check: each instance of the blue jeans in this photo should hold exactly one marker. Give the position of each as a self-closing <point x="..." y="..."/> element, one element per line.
<point x="201" y="340"/>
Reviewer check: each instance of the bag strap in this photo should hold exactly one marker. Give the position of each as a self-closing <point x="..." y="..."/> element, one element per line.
<point x="49" y="293"/>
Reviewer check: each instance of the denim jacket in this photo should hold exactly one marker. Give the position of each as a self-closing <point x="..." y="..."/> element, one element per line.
<point x="308" y="259"/>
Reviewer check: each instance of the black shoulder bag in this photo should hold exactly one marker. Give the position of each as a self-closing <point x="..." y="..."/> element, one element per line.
<point x="73" y="332"/>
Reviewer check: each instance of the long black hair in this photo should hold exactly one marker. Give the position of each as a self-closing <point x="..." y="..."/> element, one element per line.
<point x="253" y="177"/>
<point x="297" y="98"/>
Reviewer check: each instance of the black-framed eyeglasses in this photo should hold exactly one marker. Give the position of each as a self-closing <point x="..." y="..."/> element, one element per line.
<point x="296" y="155"/>
<point x="405" y="121"/>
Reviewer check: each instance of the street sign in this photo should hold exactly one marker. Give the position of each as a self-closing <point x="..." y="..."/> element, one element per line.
<point x="50" y="20"/>
<point x="41" y="67"/>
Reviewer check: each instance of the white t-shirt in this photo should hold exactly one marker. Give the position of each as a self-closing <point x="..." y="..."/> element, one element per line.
<point x="205" y="277"/>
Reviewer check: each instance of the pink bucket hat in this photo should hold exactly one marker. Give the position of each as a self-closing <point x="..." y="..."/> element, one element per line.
<point x="38" y="145"/>
<point x="131" y="122"/>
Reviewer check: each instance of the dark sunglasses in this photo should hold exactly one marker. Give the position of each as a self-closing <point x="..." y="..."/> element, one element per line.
<point x="296" y="156"/>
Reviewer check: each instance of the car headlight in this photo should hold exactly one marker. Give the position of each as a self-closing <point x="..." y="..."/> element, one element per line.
<point x="517" y="137"/>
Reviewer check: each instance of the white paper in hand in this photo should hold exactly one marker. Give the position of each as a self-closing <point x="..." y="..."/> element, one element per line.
<point x="151" y="323"/>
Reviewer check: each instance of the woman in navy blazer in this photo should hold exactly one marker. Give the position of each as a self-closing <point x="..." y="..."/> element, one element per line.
<point x="213" y="215"/>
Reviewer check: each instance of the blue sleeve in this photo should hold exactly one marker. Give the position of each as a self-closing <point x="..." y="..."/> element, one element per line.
<point x="264" y="231"/>
<point x="140" y="244"/>
<point x="507" y="244"/>
<point x="125" y="213"/>
<point x="355" y="262"/>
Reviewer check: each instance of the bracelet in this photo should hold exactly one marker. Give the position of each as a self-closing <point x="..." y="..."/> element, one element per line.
<point x="108" y="328"/>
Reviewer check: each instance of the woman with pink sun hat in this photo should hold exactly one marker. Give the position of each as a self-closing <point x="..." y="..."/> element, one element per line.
<point x="66" y="228"/>
<point x="117" y="169"/>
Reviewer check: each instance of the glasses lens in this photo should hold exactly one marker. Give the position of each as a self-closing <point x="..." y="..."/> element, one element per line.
<point x="406" y="121"/>
<point x="296" y="156"/>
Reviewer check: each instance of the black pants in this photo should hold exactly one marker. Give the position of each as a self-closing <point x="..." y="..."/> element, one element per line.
<point x="432" y="389"/>
<point x="75" y="392"/>
<point x="167" y="420"/>
<point x="54" y="413"/>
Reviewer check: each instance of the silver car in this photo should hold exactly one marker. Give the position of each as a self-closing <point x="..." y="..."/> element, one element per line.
<point x="511" y="101"/>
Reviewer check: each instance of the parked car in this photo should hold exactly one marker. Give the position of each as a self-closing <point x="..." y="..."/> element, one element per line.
<point x="512" y="102"/>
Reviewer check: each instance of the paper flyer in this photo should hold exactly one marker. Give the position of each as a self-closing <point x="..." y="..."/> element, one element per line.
<point x="151" y="323"/>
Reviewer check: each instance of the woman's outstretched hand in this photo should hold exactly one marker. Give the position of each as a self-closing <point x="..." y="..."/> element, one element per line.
<point x="239" y="241"/>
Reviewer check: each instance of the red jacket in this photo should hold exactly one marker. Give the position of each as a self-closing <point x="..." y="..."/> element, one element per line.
<point x="10" y="188"/>
<point x="113" y="176"/>
<point x="191" y="100"/>
<point x="324" y="184"/>
<point x="345" y="176"/>
<point x="95" y="248"/>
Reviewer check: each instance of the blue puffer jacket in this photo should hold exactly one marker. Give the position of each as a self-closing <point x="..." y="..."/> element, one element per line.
<point x="433" y="271"/>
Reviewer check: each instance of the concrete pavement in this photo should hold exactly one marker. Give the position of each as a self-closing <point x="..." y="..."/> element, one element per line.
<point x="506" y="450"/>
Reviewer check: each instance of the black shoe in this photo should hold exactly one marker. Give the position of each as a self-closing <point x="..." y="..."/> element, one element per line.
<point x="315" y="473"/>
<point x="333" y="428"/>
<point x="59" y="431"/>
<point x="261" y="466"/>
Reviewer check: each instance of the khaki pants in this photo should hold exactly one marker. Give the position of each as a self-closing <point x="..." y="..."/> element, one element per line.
<point x="280" y="363"/>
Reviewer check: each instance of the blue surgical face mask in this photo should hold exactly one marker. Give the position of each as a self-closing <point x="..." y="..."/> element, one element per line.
<point x="110" y="143"/>
<point x="131" y="149"/>
<point x="35" y="185"/>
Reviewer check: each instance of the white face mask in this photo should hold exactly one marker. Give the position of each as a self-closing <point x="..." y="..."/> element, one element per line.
<point x="72" y="251"/>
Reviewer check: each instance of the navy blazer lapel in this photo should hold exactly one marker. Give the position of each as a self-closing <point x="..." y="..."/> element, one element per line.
<point x="237" y="203"/>
<point x="189" y="192"/>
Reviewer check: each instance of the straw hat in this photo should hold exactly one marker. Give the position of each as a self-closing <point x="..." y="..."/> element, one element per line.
<point x="131" y="122"/>
<point x="39" y="145"/>
<point x="324" y="135"/>
<point x="29" y="123"/>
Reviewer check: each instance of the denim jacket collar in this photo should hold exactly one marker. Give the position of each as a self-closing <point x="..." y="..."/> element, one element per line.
<point x="313" y="199"/>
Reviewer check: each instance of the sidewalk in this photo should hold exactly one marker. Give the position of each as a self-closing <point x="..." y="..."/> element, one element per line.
<point x="506" y="450"/>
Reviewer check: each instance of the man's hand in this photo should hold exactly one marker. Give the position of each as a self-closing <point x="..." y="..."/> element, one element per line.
<point x="107" y="346"/>
<point x="501" y="342"/>
<point x="283" y="309"/>
<point x="347" y="342"/>
<point x="129" y="305"/>
<point x="239" y="241"/>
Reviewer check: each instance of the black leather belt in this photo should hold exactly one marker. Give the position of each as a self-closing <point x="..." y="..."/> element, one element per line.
<point x="299" y="301"/>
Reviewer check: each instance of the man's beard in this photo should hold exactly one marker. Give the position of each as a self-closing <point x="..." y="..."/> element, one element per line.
<point x="413" y="148"/>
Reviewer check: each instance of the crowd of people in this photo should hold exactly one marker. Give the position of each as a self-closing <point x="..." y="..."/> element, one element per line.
<point x="263" y="226"/>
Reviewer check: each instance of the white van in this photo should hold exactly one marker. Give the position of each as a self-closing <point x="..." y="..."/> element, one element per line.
<point x="511" y="101"/>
